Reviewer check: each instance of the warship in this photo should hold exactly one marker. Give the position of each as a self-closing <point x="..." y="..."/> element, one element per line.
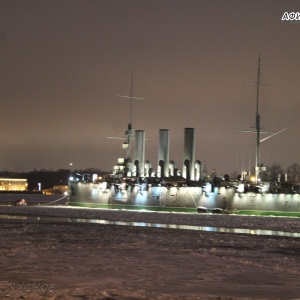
<point x="134" y="183"/>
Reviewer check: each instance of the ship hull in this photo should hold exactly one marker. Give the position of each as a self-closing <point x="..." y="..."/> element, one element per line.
<point x="226" y="199"/>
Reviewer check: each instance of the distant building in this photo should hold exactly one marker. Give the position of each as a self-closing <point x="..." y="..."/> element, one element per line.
<point x="13" y="184"/>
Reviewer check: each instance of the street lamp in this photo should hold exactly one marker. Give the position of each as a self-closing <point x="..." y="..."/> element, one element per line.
<point x="70" y="177"/>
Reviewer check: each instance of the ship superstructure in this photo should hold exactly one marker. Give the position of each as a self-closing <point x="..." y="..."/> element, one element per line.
<point x="135" y="182"/>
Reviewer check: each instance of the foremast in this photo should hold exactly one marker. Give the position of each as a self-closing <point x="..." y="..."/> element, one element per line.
<point x="125" y="166"/>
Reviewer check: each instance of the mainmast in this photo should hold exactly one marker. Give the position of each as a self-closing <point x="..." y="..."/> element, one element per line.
<point x="131" y="98"/>
<point x="258" y="130"/>
<point x="257" y="160"/>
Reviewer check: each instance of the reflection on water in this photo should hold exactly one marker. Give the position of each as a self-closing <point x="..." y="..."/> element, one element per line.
<point x="156" y="225"/>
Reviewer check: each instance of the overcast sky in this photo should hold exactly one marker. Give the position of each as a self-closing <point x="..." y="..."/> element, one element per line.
<point x="63" y="63"/>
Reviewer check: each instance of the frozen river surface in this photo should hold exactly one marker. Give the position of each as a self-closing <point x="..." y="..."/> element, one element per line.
<point x="104" y="261"/>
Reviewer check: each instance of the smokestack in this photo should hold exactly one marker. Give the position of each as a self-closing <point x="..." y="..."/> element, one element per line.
<point x="163" y="153"/>
<point x="189" y="154"/>
<point x="139" y="159"/>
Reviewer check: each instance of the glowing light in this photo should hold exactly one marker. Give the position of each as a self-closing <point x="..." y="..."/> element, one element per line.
<point x="121" y="161"/>
<point x="241" y="188"/>
<point x="103" y="185"/>
<point x="13" y="179"/>
<point x="208" y="187"/>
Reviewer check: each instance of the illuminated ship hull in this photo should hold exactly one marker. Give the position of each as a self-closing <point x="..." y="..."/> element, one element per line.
<point x="225" y="198"/>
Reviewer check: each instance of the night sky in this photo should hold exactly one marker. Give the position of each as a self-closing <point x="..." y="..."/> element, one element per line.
<point x="63" y="63"/>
